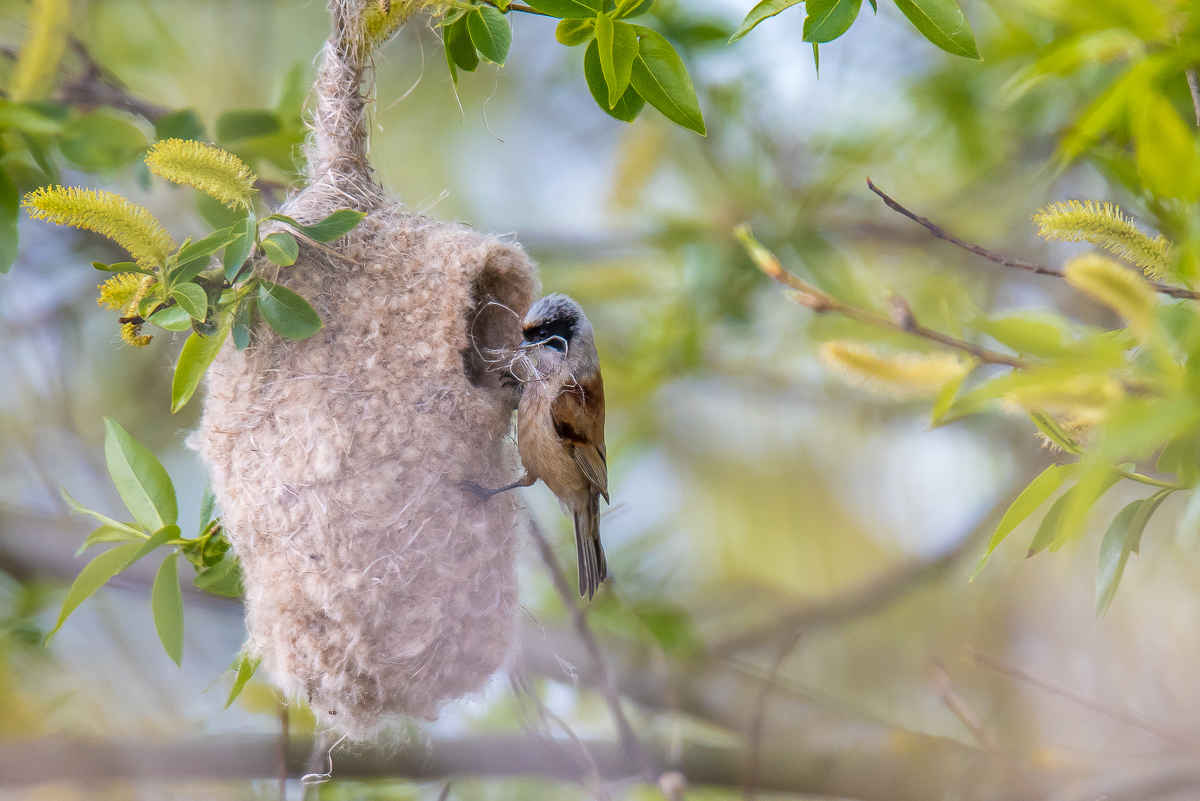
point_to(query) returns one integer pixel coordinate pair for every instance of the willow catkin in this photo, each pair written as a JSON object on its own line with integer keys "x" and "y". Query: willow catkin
{"x": 375, "y": 587}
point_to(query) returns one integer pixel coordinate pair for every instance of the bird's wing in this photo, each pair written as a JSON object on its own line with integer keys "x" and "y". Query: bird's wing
{"x": 578, "y": 414}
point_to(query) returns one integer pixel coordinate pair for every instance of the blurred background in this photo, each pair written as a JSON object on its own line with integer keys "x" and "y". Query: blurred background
{"x": 754, "y": 496}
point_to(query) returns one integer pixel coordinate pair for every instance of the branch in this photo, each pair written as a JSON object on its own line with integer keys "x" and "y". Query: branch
{"x": 1184, "y": 744}
{"x": 1039, "y": 269}
{"x": 96, "y": 86}
{"x": 755, "y": 732}
{"x": 971, "y": 720}
{"x": 579, "y": 619}
{"x": 874, "y": 594}
{"x": 1194, "y": 86}
{"x": 819, "y": 301}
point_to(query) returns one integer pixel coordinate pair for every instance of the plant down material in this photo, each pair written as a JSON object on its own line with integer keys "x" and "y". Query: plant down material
{"x": 1103, "y": 224}
{"x": 129, "y": 225}
{"x": 376, "y": 588}
{"x": 215, "y": 172}
{"x": 899, "y": 375}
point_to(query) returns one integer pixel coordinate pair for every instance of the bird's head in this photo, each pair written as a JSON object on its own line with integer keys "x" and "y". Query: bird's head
{"x": 557, "y": 332}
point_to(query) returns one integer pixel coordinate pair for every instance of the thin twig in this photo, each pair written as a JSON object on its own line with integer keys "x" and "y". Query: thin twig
{"x": 520, "y": 685}
{"x": 524, "y": 9}
{"x": 1039, "y": 269}
{"x": 821, "y": 302}
{"x": 1194, "y": 85}
{"x": 754, "y": 731}
{"x": 968, "y": 717}
{"x": 1005, "y": 669}
{"x": 284, "y": 736}
{"x": 96, "y": 86}
{"x": 625, "y": 733}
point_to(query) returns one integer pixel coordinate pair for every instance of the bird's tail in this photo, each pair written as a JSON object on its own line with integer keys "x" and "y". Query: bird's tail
{"x": 593, "y": 568}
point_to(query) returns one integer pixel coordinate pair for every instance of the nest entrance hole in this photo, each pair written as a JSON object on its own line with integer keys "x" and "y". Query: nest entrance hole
{"x": 499, "y": 301}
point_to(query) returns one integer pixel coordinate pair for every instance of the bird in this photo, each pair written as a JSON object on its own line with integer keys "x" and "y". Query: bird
{"x": 560, "y": 423}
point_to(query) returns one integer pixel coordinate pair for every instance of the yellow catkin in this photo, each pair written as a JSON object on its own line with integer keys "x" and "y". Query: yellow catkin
{"x": 125, "y": 291}
{"x": 45, "y": 42}
{"x": 382, "y": 18}
{"x": 1105, "y": 225}
{"x": 1084, "y": 400}
{"x": 128, "y": 224}
{"x": 118, "y": 291}
{"x": 212, "y": 170}
{"x": 1117, "y": 287}
{"x": 899, "y": 375}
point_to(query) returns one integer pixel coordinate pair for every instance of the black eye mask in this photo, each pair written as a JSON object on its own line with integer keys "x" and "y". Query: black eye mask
{"x": 555, "y": 334}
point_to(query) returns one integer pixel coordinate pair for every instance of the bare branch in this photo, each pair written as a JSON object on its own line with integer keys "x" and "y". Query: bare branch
{"x": 971, "y": 720}
{"x": 579, "y": 619}
{"x": 1184, "y": 744}
{"x": 1039, "y": 269}
{"x": 754, "y": 735}
{"x": 820, "y": 301}
{"x": 1194, "y": 86}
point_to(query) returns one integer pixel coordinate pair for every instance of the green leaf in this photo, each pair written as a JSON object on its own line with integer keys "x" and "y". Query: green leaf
{"x": 172, "y": 318}
{"x": 245, "y": 669}
{"x": 1181, "y": 457}
{"x": 281, "y": 248}
{"x": 1047, "y": 531}
{"x": 10, "y": 211}
{"x": 37, "y": 149}
{"x": 660, "y": 77}
{"x": 217, "y": 214}
{"x": 192, "y": 299}
{"x": 223, "y": 578}
{"x": 943, "y": 23}
{"x": 109, "y": 534}
{"x": 166, "y": 600}
{"x": 247, "y": 124}
{"x": 572, "y": 32}
{"x": 237, "y": 251}
{"x": 490, "y": 33}
{"x": 630, "y": 104}
{"x": 122, "y": 267}
{"x": 100, "y": 142}
{"x": 241, "y": 326}
{"x": 1095, "y": 479}
{"x": 764, "y": 10}
{"x": 286, "y": 312}
{"x": 1166, "y": 149}
{"x": 1024, "y": 335}
{"x": 618, "y": 46}
{"x": 201, "y": 249}
{"x": 93, "y": 576}
{"x": 1033, "y": 496}
{"x": 102, "y": 568}
{"x": 1056, "y": 433}
{"x": 208, "y": 502}
{"x": 197, "y": 354}
{"x": 460, "y": 51}
{"x": 945, "y": 400}
{"x": 1124, "y": 536}
{"x": 76, "y": 506}
{"x": 569, "y": 9}
{"x": 829, "y": 19}
{"x": 184, "y": 123}
{"x": 628, "y": 9}
{"x": 140, "y": 478}
{"x": 333, "y": 227}
{"x": 28, "y": 118}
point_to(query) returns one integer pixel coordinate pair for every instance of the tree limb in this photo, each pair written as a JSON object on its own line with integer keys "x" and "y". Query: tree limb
{"x": 1039, "y": 269}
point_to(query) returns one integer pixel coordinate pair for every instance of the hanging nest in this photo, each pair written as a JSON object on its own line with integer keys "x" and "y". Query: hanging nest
{"x": 375, "y": 587}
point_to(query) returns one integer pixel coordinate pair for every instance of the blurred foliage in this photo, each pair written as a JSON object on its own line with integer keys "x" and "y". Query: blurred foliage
{"x": 747, "y": 482}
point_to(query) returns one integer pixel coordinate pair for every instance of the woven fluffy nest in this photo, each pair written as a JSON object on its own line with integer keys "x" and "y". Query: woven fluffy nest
{"x": 375, "y": 587}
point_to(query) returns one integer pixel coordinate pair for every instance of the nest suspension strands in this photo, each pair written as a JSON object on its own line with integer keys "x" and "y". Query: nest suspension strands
{"x": 375, "y": 588}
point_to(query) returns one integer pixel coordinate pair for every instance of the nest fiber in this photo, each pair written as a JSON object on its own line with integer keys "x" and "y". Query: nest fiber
{"x": 375, "y": 587}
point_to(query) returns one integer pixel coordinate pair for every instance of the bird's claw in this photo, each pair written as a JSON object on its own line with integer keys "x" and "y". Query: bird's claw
{"x": 479, "y": 492}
